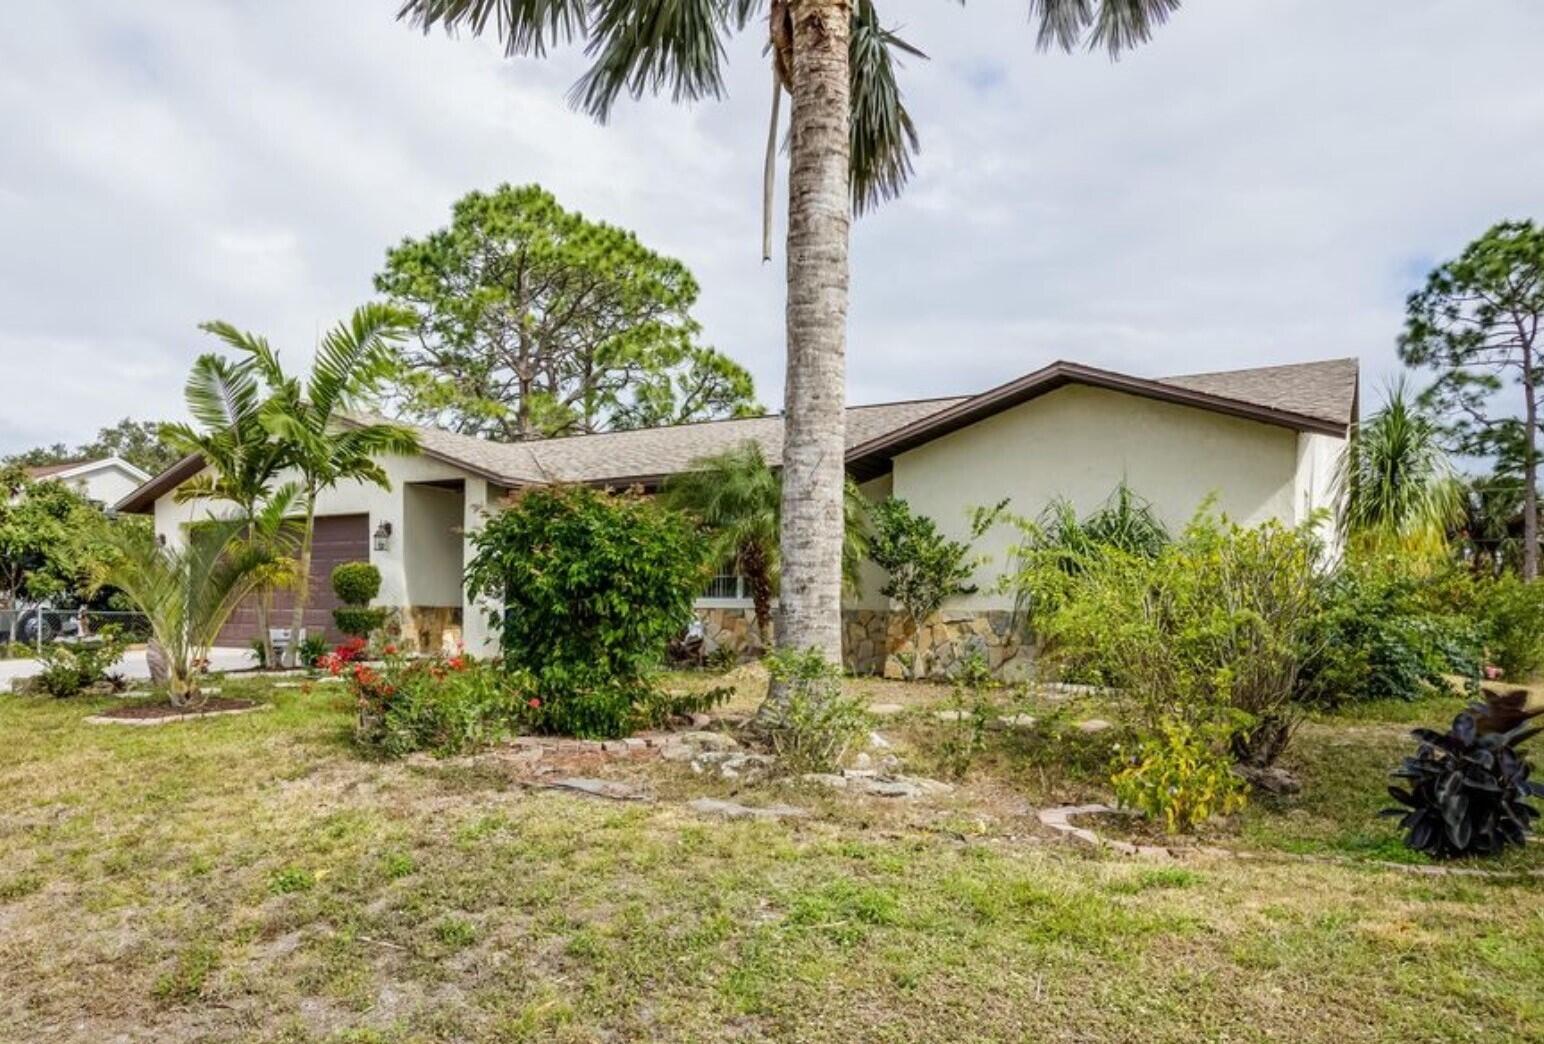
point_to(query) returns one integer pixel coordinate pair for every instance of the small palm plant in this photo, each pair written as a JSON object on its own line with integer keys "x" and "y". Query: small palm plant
{"x": 736, "y": 497}
{"x": 187, "y": 593}
{"x": 1396, "y": 483}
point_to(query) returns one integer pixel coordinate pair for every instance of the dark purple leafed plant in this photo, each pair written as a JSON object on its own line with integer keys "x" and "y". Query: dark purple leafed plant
{"x": 1468, "y": 790}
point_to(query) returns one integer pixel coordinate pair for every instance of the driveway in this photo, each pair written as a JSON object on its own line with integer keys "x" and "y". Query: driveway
{"x": 132, "y": 665}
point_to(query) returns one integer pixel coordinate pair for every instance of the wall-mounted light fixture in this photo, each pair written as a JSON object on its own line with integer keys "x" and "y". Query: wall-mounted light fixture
{"x": 160, "y": 539}
{"x": 383, "y": 536}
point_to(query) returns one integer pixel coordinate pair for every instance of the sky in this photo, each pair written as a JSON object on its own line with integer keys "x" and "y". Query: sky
{"x": 1263, "y": 183}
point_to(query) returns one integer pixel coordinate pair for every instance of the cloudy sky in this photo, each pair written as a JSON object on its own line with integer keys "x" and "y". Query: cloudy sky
{"x": 1263, "y": 183}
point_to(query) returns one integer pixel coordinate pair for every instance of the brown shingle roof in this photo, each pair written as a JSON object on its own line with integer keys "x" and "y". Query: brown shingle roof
{"x": 1324, "y": 390}
{"x": 1319, "y": 396}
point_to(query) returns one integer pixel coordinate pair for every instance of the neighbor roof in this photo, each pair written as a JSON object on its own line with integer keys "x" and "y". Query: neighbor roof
{"x": 81, "y": 467}
{"x": 1315, "y": 397}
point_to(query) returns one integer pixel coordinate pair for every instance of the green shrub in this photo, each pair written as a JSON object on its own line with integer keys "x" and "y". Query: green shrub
{"x": 1386, "y": 631}
{"x": 1511, "y": 612}
{"x": 444, "y": 706}
{"x": 356, "y": 583}
{"x": 1210, "y": 631}
{"x": 815, "y": 723}
{"x": 593, "y": 586}
{"x": 1181, "y": 774}
{"x": 972, "y": 701}
{"x": 358, "y": 620}
{"x": 71, "y": 667}
{"x": 312, "y": 648}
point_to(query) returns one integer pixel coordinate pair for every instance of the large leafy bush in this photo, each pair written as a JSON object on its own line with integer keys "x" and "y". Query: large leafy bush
{"x": 1468, "y": 790}
{"x": 593, "y": 585}
{"x": 1511, "y": 612}
{"x": 1388, "y": 631}
{"x": 1211, "y": 630}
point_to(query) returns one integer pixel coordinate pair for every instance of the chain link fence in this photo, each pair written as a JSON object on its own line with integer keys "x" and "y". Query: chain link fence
{"x": 24, "y": 631}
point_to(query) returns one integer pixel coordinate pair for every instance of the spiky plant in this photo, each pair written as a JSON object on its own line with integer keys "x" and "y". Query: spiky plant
{"x": 187, "y": 593}
{"x": 1397, "y": 488}
{"x": 1468, "y": 790}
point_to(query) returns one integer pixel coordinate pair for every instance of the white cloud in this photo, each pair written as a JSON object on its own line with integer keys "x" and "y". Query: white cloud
{"x": 1264, "y": 182}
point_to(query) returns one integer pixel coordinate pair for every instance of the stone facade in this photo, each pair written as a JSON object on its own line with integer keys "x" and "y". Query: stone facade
{"x": 429, "y": 629}
{"x": 879, "y": 641}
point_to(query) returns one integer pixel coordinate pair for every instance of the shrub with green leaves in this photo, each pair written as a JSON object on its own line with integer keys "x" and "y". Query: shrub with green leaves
{"x": 816, "y": 723}
{"x": 593, "y": 586}
{"x": 1387, "y": 631}
{"x": 70, "y": 668}
{"x": 1211, "y": 630}
{"x": 355, "y": 584}
{"x": 1181, "y": 774}
{"x": 1511, "y": 613}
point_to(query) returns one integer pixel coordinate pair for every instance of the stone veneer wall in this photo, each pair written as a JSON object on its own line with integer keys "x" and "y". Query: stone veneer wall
{"x": 428, "y": 629}
{"x": 875, "y": 640}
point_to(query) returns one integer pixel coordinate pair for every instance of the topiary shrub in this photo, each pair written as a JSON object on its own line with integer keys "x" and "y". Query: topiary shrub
{"x": 594, "y": 585}
{"x": 355, "y": 584}
{"x": 1468, "y": 792}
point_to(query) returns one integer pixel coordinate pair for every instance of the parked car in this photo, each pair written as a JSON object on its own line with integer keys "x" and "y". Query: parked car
{"x": 56, "y": 623}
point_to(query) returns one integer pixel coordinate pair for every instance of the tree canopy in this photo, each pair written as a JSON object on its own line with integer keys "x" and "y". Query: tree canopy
{"x": 47, "y": 532}
{"x": 535, "y": 321}
{"x": 1476, "y": 323}
{"x": 138, "y": 442}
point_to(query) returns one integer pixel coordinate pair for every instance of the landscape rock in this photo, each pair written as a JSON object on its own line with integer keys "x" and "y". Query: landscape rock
{"x": 877, "y": 741}
{"x": 612, "y": 790}
{"x": 862, "y": 761}
{"x": 1271, "y": 780}
{"x": 1094, "y": 725}
{"x": 735, "y": 810}
{"x": 879, "y": 785}
{"x": 1016, "y": 721}
{"x": 953, "y": 715}
{"x": 885, "y": 710}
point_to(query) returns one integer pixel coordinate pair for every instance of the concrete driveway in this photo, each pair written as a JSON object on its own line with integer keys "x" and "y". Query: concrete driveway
{"x": 132, "y": 665}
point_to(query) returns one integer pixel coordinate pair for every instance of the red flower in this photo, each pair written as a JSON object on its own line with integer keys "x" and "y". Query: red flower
{"x": 391, "y": 650}
{"x": 534, "y": 702}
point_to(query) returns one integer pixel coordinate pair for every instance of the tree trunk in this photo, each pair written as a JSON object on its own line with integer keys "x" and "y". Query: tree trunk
{"x": 810, "y": 597}
{"x": 1530, "y": 470}
{"x": 303, "y": 588}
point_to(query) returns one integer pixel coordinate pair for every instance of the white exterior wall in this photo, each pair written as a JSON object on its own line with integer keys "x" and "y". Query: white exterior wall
{"x": 1079, "y": 442}
{"x": 352, "y": 498}
{"x": 1313, "y": 488}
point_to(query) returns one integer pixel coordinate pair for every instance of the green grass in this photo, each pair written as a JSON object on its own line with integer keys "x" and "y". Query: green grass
{"x": 250, "y": 878}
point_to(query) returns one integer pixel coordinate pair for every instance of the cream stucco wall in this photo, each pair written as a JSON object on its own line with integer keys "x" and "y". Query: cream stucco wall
{"x": 1079, "y": 442}
{"x": 403, "y": 557}
{"x": 106, "y": 484}
{"x": 432, "y": 518}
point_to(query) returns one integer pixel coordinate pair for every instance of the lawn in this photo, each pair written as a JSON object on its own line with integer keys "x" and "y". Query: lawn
{"x": 252, "y": 878}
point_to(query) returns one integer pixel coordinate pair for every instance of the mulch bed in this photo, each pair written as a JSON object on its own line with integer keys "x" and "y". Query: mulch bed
{"x": 155, "y": 711}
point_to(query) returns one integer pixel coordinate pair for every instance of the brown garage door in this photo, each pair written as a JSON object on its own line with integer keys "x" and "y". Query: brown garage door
{"x": 338, "y": 539}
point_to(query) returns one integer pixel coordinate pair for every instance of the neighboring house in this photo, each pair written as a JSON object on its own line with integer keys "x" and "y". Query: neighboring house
{"x": 104, "y": 482}
{"x": 1262, "y": 442}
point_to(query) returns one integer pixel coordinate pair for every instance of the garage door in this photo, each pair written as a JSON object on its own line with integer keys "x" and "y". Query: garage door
{"x": 338, "y": 539}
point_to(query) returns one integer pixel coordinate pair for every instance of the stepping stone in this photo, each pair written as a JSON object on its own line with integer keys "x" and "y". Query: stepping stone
{"x": 953, "y": 715}
{"x": 610, "y": 789}
{"x": 885, "y": 710}
{"x": 878, "y": 742}
{"x": 735, "y": 810}
{"x": 1017, "y": 721}
{"x": 1093, "y": 725}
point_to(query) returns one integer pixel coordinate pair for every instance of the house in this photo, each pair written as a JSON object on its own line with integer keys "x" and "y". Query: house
{"x": 1262, "y": 442}
{"x": 104, "y": 482}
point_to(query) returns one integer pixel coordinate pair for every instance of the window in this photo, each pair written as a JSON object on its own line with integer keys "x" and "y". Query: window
{"x": 727, "y": 585}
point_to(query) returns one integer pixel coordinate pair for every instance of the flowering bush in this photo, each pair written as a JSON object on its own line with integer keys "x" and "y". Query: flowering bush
{"x": 447, "y": 705}
{"x": 345, "y": 653}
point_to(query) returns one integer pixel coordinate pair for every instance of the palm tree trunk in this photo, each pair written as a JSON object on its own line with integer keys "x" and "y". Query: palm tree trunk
{"x": 303, "y": 588}
{"x": 810, "y": 597}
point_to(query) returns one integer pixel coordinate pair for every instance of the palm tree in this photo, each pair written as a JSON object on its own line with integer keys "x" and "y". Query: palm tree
{"x": 308, "y": 419}
{"x": 737, "y": 496}
{"x": 1397, "y": 489}
{"x": 850, "y": 145}
{"x": 187, "y": 593}
{"x": 244, "y": 462}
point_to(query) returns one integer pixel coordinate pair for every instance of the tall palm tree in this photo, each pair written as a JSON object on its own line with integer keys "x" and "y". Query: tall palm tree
{"x": 243, "y": 465}
{"x": 850, "y": 145}
{"x": 1396, "y": 486}
{"x": 187, "y": 594}
{"x": 737, "y": 498}
{"x": 309, "y": 418}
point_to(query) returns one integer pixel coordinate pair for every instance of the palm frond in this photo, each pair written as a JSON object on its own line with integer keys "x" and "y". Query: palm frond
{"x": 221, "y": 394}
{"x": 355, "y": 355}
{"x": 1397, "y": 488}
{"x": 652, "y": 45}
{"x": 1115, "y": 25}
{"x": 526, "y": 27}
{"x": 256, "y": 348}
{"x": 882, "y": 134}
